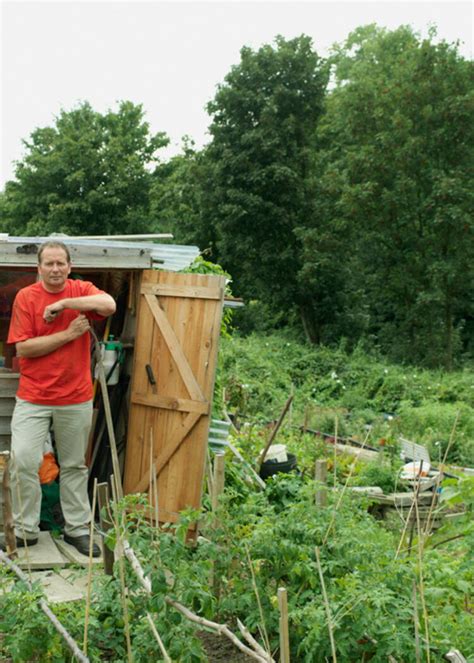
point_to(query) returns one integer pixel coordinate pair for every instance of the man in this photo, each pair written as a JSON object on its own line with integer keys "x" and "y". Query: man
{"x": 49, "y": 326}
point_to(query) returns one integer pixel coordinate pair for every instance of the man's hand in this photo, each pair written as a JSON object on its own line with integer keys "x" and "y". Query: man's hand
{"x": 52, "y": 311}
{"x": 39, "y": 346}
{"x": 79, "y": 326}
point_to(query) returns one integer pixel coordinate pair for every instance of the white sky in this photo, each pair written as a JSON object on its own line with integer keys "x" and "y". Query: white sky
{"x": 169, "y": 56}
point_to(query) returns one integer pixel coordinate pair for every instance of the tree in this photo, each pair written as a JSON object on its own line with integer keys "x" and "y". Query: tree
{"x": 178, "y": 198}
{"x": 259, "y": 168}
{"x": 85, "y": 175}
{"x": 395, "y": 182}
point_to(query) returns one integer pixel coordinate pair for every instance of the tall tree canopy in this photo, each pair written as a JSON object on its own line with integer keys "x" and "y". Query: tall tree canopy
{"x": 260, "y": 167}
{"x": 85, "y": 175}
{"x": 395, "y": 192}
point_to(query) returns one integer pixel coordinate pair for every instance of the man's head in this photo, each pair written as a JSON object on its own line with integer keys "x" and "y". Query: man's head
{"x": 52, "y": 244}
{"x": 54, "y": 265}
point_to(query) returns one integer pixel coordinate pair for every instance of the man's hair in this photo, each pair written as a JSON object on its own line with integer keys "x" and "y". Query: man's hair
{"x": 53, "y": 244}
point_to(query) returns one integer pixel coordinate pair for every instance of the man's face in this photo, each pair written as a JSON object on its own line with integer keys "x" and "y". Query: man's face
{"x": 54, "y": 269}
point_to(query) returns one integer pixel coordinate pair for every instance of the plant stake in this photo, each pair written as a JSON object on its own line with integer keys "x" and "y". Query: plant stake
{"x": 326, "y": 606}
{"x": 89, "y": 571}
{"x": 7, "y": 506}
{"x": 320, "y": 476}
{"x": 220, "y": 628}
{"x": 71, "y": 643}
{"x": 275, "y": 431}
{"x": 284, "y": 634}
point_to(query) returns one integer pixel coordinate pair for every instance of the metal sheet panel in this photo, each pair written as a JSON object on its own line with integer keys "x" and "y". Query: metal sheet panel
{"x": 114, "y": 254}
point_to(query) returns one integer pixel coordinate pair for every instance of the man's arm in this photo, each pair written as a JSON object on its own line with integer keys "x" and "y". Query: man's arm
{"x": 103, "y": 304}
{"x": 43, "y": 345}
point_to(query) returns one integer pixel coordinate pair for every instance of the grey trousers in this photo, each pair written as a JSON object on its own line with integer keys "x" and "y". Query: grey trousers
{"x": 30, "y": 427}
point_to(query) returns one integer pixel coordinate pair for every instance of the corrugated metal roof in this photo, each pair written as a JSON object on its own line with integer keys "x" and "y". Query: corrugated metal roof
{"x": 103, "y": 253}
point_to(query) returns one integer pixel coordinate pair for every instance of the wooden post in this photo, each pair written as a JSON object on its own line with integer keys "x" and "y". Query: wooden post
{"x": 105, "y": 525}
{"x": 218, "y": 482}
{"x": 275, "y": 431}
{"x": 320, "y": 476}
{"x": 284, "y": 631}
{"x": 7, "y": 507}
{"x": 218, "y": 479}
{"x": 306, "y": 419}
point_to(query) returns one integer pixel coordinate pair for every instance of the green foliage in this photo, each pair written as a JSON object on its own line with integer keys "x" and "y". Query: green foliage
{"x": 379, "y": 474}
{"x": 390, "y": 252}
{"x": 26, "y": 632}
{"x": 85, "y": 175}
{"x": 178, "y": 198}
{"x": 275, "y": 533}
{"x": 259, "y": 372}
{"x": 259, "y": 166}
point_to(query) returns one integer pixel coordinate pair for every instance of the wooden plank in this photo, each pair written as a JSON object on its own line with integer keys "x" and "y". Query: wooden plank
{"x": 44, "y": 555}
{"x": 7, "y": 405}
{"x": 169, "y": 290}
{"x": 180, "y": 404}
{"x": 74, "y": 556}
{"x": 162, "y": 458}
{"x": 5, "y": 442}
{"x": 8, "y": 385}
{"x": 5, "y": 425}
{"x": 175, "y": 348}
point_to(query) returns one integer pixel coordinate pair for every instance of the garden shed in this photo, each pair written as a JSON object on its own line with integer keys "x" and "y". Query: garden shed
{"x": 168, "y": 324}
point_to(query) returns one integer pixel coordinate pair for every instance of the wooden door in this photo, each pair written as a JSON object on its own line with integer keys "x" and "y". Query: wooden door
{"x": 176, "y": 344}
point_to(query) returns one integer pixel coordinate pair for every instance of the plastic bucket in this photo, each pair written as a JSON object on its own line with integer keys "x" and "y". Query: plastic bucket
{"x": 271, "y": 467}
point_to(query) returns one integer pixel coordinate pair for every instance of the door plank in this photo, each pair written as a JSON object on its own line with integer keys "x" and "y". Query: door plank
{"x": 168, "y": 403}
{"x": 162, "y": 458}
{"x": 175, "y": 349}
{"x": 170, "y": 290}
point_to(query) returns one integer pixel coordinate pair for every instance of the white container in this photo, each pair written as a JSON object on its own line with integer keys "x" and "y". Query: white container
{"x": 277, "y": 452}
{"x": 110, "y": 357}
{"x": 415, "y": 470}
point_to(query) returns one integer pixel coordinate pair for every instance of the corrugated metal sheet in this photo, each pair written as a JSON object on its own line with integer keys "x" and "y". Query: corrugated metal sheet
{"x": 21, "y": 251}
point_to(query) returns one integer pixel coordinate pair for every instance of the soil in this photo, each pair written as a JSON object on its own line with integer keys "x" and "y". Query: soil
{"x": 219, "y": 649}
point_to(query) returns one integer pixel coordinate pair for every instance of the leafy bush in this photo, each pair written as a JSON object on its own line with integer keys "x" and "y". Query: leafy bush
{"x": 258, "y": 373}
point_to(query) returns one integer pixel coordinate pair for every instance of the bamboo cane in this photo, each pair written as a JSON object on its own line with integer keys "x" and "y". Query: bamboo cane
{"x": 275, "y": 431}
{"x": 218, "y": 479}
{"x": 320, "y": 476}
{"x": 333, "y": 518}
{"x": 422, "y": 583}
{"x": 71, "y": 643}
{"x": 105, "y": 526}
{"x": 158, "y": 639}
{"x": 108, "y": 416}
{"x": 327, "y": 607}
{"x": 427, "y": 529}
{"x": 262, "y": 617}
{"x": 417, "y": 630}
{"x": 124, "y": 589}
{"x": 89, "y": 571}
{"x": 220, "y": 628}
{"x": 7, "y": 508}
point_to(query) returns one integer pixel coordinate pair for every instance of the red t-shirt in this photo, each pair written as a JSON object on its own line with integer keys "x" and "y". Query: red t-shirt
{"x": 62, "y": 377}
